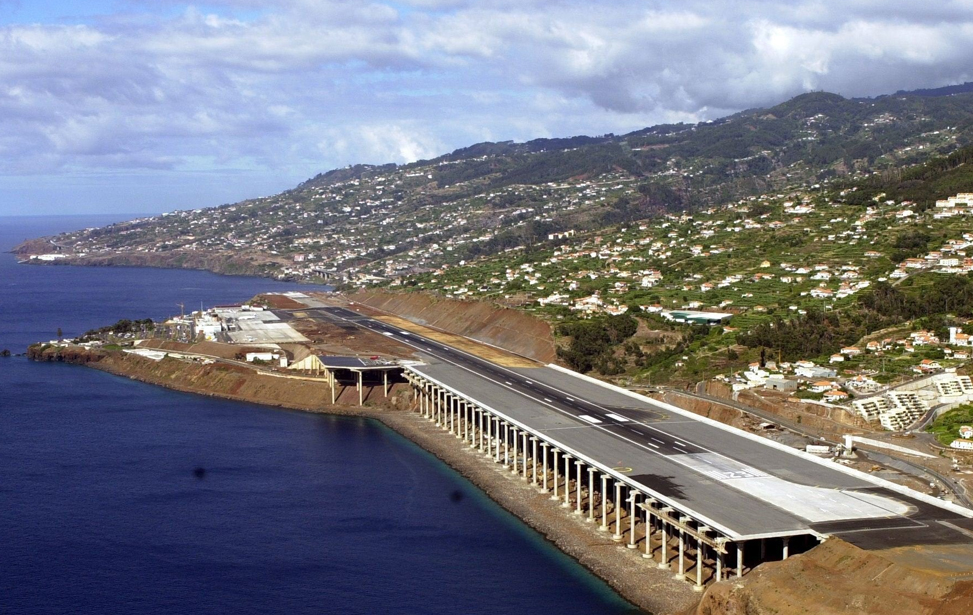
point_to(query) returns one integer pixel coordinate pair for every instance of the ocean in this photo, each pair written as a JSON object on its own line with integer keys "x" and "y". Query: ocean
{"x": 122, "y": 497}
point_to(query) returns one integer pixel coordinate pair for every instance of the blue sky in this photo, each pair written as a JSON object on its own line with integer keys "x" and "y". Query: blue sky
{"x": 155, "y": 105}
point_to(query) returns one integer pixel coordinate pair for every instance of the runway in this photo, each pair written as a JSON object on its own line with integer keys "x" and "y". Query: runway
{"x": 736, "y": 482}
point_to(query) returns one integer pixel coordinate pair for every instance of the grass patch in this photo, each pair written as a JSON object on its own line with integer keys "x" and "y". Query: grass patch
{"x": 946, "y": 427}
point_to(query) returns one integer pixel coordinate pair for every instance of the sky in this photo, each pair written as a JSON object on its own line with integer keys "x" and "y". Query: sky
{"x": 145, "y": 106}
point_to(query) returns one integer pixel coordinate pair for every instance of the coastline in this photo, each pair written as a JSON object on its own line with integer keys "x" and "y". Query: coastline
{"x": 651, "y": 590}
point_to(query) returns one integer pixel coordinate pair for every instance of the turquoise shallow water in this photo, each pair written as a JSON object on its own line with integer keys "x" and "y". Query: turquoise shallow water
{"x": 103, "y": 508}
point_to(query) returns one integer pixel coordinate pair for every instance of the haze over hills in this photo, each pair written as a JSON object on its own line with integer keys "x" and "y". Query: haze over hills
{"x": 392, "y": 219}
{"x": 722, "y": 215}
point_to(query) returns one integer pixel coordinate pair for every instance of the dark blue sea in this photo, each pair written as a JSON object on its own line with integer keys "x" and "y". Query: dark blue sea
{"x": 102, "y": 510}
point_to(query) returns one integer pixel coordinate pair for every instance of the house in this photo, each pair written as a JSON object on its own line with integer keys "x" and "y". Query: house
{"x": 962, "y": 444}
{"x": 820, "y": 386}
{"x": 851, "y": 351}
{"x": 927, "y": 366}
{"x": 837, "y": 358}
{"x": 835, "y": 396}
{"x": 958, "y": 338}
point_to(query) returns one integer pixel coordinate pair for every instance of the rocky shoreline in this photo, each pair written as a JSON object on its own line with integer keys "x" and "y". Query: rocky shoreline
{"x": 651, "y": 590}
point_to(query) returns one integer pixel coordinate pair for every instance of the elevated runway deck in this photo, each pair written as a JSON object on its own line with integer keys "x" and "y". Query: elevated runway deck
{"x": 740, "y": 485}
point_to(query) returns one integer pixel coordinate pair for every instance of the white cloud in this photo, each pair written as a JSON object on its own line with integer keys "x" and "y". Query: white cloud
{"x": 304, "y": 85}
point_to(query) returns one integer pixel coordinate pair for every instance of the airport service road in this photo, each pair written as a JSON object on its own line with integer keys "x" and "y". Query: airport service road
{"x": 741, "y": 485}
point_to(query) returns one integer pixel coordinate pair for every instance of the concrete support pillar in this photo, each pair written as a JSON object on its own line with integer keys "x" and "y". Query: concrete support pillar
{"x": 526, "y": 468}
{"x": 516, "y": 437}
{"x": 544, "y": 446}
{"x": 763, "y": 550}
{"x": 739, "y": 559}
{"x": 451, "y": 413}
{"x": 633, "y": 501}
{"x": 591, "y": 495}
{"x": 567, "y": 481}
{"x": 699, "y": 564}
{"x": 578, "y": 481}
{"x": 719, "y": 566}
{"x": 465, "y": 420}
{"x": 648, "y": 531}
{"x": 496, "y": 439}
{"x": 523, "y": 449}
{"x": 506, "y": 445}
{"x": 556, "y": 465}
{"x": 385, "y": 382}
{"x": 787, "y": 547}
{"x": 361, "y": 390}
{"x": 533, "y": 456}
{"x": 617, "y": 536}
{"x": 664, "y": 555}
{"x": 681, "y": 574}
{"x": 480, "y": 414}
{"x": 604, "y": 503}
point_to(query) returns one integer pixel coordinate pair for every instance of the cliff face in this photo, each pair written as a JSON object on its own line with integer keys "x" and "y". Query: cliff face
{"x": 225, "y": 264}
{"x": 222, "y": 380}
{"x": 65, "y": 354}
{"x": 839, "y": 578}
{"x": 509, "y": 329}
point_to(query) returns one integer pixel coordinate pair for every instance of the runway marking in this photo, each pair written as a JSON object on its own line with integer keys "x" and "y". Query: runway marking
{"x": 620, "y": 419}
{"x": 636, "y": 431}
{"x": 547, "y": 400}
{"x": 569, "y": 398}
{"x": 652, "y": 445}
{"x": 590, "y": 419}
{"x": 657, "y": 440}
{"x": 679, "y": 444}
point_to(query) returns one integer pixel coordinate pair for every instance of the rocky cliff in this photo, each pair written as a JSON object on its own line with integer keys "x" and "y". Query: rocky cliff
{"x": 839, "y": 578}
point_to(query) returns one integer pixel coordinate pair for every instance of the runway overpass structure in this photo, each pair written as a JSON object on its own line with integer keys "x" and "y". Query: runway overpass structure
{"x": 695, "y": 496}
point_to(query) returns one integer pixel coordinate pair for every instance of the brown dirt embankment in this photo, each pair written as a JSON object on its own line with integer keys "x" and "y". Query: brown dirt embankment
{"x": 829, "y": 419}
{"x": 509, "y": 329}
{"x": 839, "y": 578}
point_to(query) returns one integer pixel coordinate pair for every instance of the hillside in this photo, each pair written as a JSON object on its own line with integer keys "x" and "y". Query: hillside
{"x": 371, "y": 223}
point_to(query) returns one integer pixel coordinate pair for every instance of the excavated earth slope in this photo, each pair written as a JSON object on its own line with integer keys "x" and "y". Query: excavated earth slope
{"x": 512, "y": 330}
{"x": 839, "y": 578}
